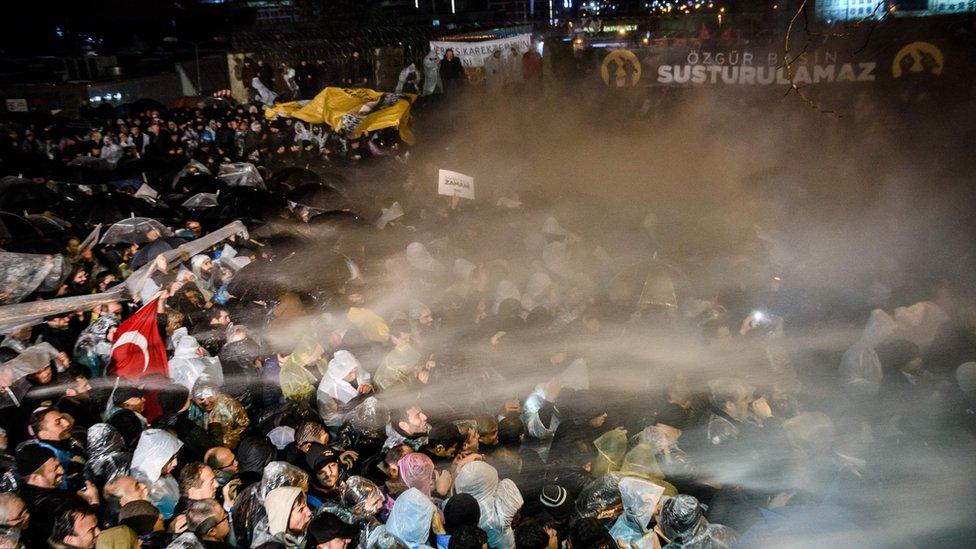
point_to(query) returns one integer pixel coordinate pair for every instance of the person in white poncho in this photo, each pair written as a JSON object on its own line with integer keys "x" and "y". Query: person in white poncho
{"x": 152, "y": 464}
{"x": 344, "y": 381}
{"x": 499, "y": 501}
{"x": 190, "y": 362}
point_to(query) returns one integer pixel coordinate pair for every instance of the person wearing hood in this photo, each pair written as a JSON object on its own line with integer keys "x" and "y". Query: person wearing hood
{"x": 640, "y": 501}
{"x": 190, "y": 362}
{"x": 107, "y": 455}
{"x": 153, "y": 462}
{"x": 15, "y": 342}
{"x": 403, "y": 364}
{"x": 221, "y": 415}
{"x": 288, "y": 518}
{"x": 342, "y": 387}
{"x": 94, "y": 346}
{"x": 361, "y": 501}
{"x": 411, "y": 519}
{"x": 432, "y": 75}
{"x": 206, "y": 273}
{"x": 499, "y": 501}
{"x": 297, "y": 383}
{"x": 682, "y": 523}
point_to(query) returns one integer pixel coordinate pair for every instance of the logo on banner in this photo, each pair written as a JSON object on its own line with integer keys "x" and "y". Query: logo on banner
{"x": 620, "y": 69}
{"x": 918, "y": 57}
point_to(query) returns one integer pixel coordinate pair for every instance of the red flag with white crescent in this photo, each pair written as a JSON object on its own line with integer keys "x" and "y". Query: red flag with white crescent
{"x": 138, "y": 349}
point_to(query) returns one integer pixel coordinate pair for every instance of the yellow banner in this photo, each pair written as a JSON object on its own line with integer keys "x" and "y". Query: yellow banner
{"x": 352, "y": 111}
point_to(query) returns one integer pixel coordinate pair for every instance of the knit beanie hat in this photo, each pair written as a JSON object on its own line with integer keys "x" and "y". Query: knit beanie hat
{"x": 278, "y": 504}
{"x": 120, "y": 537}
{"x": 461, "y": 510}
{"x": 139, "y": 515}
{"x": 555, "y": 499}
{"x": 32, "y": 457}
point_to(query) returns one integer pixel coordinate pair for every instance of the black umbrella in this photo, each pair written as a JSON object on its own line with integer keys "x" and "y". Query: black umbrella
{"x": 319, "y": 197}
{"x": 109, "y": 208}
{"x": 148, "y": 252}
{"x": 287, "y": 179}
{"x": 246, "y": 203}
{"x": 25, "y": 237}
{"x": 308, "y": 271}
{"x": 198, "y": 183}
{"x": 27, "y": 196}
{"x": 50, "y": 225}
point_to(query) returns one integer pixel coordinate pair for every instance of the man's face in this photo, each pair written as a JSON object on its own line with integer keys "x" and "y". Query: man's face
{"x": 223, "y": 319}
{"x": 206, "y": 487}
{"x": 170, "y": 465}
{"x": 51, "y": 473}
{"x": 222, "y": 529}
{"x": 489, "y": 439}
{"x": 59, "y": 323}
{"x": 207, "y": 403}
{"x": 195, "y": 227}
{"x": 328, "y": 476}
{"x": 137, "y": 404}
{"x": 228, "y": 462}
{"x": 86, "y": 530}
{"x": 426, "y": 318}
{"x": 19, "y": 515}
{"x": 416, "y": 422}
{"x": 300, "y": 516}
{"x": 54, "y": 426}
{"x": 44, "y": 376}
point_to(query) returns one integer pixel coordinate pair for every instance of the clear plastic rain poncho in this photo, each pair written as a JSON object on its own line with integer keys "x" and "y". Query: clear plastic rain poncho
{"x": 364, "y": 425}
{"x": 860, "y": 365}
{"x": 154, "y": 450}
{"x": 186, "y": 366}
{"x": 226, "y": 421}
{"x": 639, "y": 498}
{"x": 24, "y": 274}
{"x": 499, "y": 501}
{"x": 250, "y": 521}
{"x": 93, "y": 348}
{"x": 411, "y": 518}
{"x": 600, "y": 499}
{"x": 683, "y": 522}
{"x": 107, "y": 457}
{"x": 361, "y": 500}
{"x": 12, "y": 373}
{"x": 240, "y": 174}
{"x": 134, "y": 230}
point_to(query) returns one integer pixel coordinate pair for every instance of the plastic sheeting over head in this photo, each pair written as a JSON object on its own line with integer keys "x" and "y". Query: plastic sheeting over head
{"x": 410, "y": 519}
{"x": 240, "y": 174}
{"x": 600, "y": 498}
{"x": 640, "y": 499}
{"x": 24, "y": 274}
{"x": 281, "y": 473}
{"x": 107, "y": 455}
{"x": 153, "y": 451}
{"x": 610, "y": 447}
{"x": 419, "y": 258}
{"x": 201, "y": 201}
{"x": 356, "y": 496}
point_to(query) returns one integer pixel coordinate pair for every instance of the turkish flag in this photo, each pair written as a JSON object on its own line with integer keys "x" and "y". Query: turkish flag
{"x": 138, "y": 349}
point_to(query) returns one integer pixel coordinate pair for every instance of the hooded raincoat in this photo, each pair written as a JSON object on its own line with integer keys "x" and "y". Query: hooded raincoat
{"x": 154, "y": 450}
{"x": 334, "y": 392}
{"x": 107, "y": 458}
{"x": 93, "y": 348}
{"x": 499, "y": 500}
{"x": 411, "y": 518}
{"x": 639, "y": 498}
{"x": 186, "y": 366}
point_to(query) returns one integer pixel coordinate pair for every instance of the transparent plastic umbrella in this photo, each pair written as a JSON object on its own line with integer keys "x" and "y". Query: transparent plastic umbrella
{"x": 134, "y": 230}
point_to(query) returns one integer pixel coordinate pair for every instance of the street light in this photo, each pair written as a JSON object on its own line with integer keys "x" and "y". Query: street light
{"x": 196, "y": 55}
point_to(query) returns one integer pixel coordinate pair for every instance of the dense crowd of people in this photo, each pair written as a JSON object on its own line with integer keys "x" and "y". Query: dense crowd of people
{"x": 335, "y": 378}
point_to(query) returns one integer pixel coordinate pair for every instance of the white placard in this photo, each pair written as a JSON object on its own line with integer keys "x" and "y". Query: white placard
{"x": 474, "y": 54}
{"x": 455, "y": 184}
